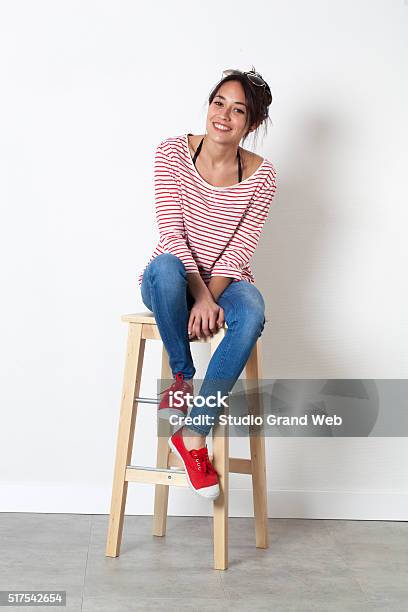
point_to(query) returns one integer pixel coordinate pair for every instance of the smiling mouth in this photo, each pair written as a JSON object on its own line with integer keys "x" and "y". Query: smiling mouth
{"x": 220, "y": 127}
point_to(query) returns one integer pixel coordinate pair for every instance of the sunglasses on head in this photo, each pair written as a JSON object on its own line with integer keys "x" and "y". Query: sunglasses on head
{"x": 254, "y": 77}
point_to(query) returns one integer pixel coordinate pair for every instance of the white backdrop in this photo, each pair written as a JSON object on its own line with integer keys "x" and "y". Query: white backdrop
{"x": 88, "y": 91}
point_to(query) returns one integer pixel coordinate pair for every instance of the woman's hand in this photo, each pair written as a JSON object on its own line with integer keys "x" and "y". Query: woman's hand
{"x": 206, "y": 317}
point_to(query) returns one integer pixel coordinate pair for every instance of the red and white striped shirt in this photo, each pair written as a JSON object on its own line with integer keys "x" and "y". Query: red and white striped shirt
{"x": 212, "y": 230}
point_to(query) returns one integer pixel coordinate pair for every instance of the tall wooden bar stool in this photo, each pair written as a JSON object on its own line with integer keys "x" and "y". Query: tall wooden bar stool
{"x": 142, "y": 327}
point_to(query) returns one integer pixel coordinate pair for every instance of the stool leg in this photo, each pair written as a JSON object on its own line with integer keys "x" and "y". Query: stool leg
{"x": 128, "y": 411}
{"x": 257, "y": 448}
{"x": 221, "y": 465}
{"x": 161, "y": 493}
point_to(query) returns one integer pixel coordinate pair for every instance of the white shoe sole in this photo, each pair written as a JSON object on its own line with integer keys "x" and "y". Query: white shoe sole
{"x": 208, "y": 492}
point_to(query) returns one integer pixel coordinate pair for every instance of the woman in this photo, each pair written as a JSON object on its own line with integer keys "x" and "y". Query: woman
{"x": 212, "y": 200}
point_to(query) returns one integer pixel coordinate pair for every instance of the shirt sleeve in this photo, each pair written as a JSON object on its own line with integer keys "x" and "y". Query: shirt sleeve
{"x": 169, "y": 214}
{"x": 243, "y": 242}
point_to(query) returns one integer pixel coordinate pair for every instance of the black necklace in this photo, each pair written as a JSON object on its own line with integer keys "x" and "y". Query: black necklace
{"x": 197, "y": 153}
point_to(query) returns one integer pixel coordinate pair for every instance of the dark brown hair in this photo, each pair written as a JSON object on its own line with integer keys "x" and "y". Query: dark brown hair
{"x": 257, "y": 100}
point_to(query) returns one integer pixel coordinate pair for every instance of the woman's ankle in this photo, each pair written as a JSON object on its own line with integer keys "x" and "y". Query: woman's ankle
{"x": 190, "y": 381}
{"x": 192, "y": 439}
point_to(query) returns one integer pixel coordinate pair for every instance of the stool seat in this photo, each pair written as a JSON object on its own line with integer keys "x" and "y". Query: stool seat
{"x": 147, "y": 318}
{"x": 140, "y": 317}
{"x": 142, "y": 326}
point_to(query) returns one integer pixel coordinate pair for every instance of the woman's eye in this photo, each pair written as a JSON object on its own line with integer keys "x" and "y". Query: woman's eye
{"x": 237, "y": 109}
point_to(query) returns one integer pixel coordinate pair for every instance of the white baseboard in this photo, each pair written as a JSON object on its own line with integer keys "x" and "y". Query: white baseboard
{"x": 83, "y": 499}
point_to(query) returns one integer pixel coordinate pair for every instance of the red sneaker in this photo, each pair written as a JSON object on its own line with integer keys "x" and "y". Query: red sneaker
{"x": 179, "y": 408}
{"x": 201, "y": 476}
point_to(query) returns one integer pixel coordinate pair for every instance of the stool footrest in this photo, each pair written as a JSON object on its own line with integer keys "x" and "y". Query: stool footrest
{"x": 163, "y": 476}
{"x": 240, "y": 466}
{"x": 146, "y": 400}
{"x": 177, "y": 477}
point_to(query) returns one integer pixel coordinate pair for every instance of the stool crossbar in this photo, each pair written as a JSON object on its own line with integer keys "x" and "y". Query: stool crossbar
{"x": 168, "y": 470}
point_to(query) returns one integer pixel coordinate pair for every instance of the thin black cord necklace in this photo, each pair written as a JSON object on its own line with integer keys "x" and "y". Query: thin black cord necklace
{"x": 197, "y": 153}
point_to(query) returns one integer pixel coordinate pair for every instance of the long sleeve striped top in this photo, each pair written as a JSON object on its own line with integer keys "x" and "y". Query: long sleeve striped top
{"x": 213, "y": 230}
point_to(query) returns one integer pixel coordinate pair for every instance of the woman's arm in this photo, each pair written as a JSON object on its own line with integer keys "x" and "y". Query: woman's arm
{"x": 205, "y": 313}
{"x": 205, "y": 316}
{"x": 197, "y": 286}
{"x": 242, "y": 244}
{"x": 217, "y": 285}
{"x": 169, "y": 214}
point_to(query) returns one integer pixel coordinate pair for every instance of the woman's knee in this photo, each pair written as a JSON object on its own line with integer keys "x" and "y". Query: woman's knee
{"x": 246, "y": 309}
{"x": 247, "y": 319}
{"x": 168, "y": 267}
{"x": 253, "y": 321}
{"x": 250, "y": 314}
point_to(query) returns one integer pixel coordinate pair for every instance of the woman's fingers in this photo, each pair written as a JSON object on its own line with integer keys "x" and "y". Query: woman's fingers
{"x": 205, "y": 320}
{"x": 205, "y": 327}
{"x": 193, "y": 327}
{"x": 220, "y": 319}
{"x": 190, "y": 324}
{"x": 197, "y": 326}
{"x": 212, "y": 323}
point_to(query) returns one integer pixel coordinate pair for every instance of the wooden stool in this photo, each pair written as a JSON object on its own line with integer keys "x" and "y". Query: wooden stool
{"x": 142, "y": 327}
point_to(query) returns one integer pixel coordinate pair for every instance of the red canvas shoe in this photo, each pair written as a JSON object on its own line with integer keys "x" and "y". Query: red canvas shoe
{"x": 201, "y": 476}
{"x": 178, "y": 408}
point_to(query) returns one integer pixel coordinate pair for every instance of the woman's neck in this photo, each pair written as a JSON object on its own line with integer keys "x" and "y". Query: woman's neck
{"x": 218, "y": 155}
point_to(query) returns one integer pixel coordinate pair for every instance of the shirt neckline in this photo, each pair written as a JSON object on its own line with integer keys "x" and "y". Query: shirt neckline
{"x": 185, "y": 140}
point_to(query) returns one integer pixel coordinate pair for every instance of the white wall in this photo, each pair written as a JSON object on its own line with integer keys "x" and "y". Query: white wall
{"x": 88, "y": 91}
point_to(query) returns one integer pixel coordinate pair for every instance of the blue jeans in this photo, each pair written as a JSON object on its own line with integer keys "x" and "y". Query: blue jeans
{"x": 165, "y": 292}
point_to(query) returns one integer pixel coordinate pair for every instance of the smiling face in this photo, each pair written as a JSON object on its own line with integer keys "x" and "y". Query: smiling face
{"x": 227, "y": 117}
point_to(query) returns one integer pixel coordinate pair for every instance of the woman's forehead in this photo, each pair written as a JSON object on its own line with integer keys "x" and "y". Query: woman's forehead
{"x": 232, "y": 91}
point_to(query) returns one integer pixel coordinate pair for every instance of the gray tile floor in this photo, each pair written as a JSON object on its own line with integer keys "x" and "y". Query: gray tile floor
{"x": 319, "y": 565}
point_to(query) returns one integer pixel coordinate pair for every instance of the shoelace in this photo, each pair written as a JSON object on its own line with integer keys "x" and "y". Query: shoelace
{"x": 202, "y": 460}
{"x": 178, "y": 385}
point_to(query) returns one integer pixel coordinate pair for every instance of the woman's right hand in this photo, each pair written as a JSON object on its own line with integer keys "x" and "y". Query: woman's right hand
{"x": 206, "y": 317}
